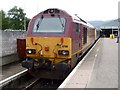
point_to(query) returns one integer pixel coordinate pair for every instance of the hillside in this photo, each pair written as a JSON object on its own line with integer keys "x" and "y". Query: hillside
{"x": 96, "y": 23}
{"x": 108, "y": 23}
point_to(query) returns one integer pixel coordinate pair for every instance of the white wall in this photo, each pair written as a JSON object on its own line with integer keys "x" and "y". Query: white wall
{"x": 8, "y": 42}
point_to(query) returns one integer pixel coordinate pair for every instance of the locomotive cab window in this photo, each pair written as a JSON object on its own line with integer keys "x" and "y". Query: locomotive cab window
{"x": 49, "y": 25}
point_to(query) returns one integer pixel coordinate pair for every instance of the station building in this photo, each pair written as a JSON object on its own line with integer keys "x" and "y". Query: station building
{"x": 111, "y": 27}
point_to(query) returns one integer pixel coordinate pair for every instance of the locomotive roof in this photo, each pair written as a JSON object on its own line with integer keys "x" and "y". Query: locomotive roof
{"x": 77, "y": 19}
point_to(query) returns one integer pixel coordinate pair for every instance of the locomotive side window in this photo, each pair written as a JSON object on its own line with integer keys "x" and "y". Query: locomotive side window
{"x": 84, "y": 35}
{"x": 77, "y": 27}
{"x": 49, "y": 25}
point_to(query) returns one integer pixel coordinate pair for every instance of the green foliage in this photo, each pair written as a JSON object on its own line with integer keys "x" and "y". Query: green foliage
{"x": 15, "y": 19}
{"x": 2, "y": 14}
{"x": 1, "y": 19}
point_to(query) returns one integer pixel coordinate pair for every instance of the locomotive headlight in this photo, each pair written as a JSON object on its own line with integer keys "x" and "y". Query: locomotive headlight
{"x": 51, "y": 11}
{"x": 30, "y": 51}
{"x": 63, "y": 52}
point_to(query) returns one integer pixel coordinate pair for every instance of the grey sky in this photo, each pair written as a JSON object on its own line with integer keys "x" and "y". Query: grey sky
{"x": 86, "y": 9}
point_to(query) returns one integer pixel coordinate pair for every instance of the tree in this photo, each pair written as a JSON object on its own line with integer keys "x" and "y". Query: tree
{"x": 1, "y": 12}
{"x": 3, "y": 20}
{"x": 16, "y": 18}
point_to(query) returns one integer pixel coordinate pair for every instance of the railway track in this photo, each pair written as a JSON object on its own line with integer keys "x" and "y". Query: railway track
{"x": 41, "y": 84}
{"x": 27, "y": 82}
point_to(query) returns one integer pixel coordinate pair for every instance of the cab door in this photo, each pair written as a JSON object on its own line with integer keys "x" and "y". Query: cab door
{"x": 76, "y": 37}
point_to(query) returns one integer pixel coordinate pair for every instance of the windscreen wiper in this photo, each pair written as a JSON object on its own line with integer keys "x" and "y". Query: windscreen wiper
{"x": 39, "y": 22}
{"x": 61, "y": 21}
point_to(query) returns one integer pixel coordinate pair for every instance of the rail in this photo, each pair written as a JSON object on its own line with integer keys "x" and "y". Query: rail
{"x": 11, "y": 78}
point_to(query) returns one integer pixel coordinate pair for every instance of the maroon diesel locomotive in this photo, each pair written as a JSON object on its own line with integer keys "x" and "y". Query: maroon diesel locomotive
{"x": 55, "y": 41}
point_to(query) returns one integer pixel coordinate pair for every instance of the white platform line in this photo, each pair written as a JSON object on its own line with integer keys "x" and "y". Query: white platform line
{"x": 92, "y": 67}
{"x": 74, "y": 70}
{"x": 7, "y": 80}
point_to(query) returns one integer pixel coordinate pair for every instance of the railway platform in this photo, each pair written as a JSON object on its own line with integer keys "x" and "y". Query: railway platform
{"x": 98, "y": 69}
{"x": 10, "y": 72}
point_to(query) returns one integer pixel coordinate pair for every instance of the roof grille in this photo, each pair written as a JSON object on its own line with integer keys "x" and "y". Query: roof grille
{"x": 51, "y": 11}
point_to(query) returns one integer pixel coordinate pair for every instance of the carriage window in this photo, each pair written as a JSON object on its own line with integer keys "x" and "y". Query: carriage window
{"x": 77, "y": 27}
{"x": 49, "y": 25}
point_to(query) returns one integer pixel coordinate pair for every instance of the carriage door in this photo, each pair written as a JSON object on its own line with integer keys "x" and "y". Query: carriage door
{"x": 78, "y": 36}
{"x": 84, "y": 35}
